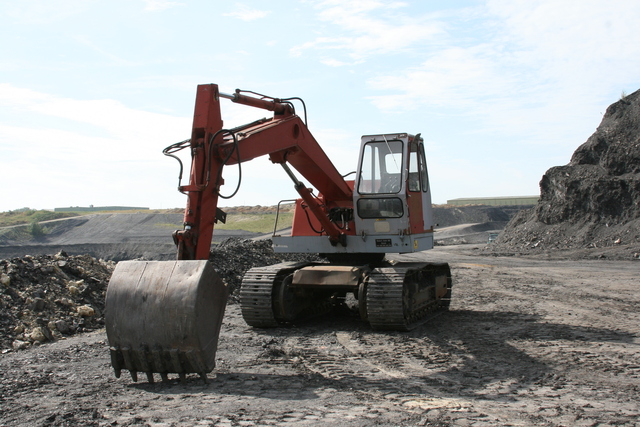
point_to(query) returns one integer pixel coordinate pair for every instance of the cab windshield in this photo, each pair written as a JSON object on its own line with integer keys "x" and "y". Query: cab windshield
{"x": 381, "y": 168}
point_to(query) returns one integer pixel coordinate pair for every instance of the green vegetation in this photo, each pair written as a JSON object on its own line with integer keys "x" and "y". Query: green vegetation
{"x": 26, "y": 224}
{"x": 253, "y": 222}
{"x": 36, "y": 229}
{"x": 256, "y": 223}
{"x": 16, "y": 234}
{"x": 30, "y": 216}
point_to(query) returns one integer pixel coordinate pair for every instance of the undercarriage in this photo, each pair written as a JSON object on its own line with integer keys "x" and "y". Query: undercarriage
{"x": 390, "y": 297}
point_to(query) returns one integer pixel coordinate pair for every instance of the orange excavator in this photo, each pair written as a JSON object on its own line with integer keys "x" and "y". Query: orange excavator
{"x": 165, "y": 316}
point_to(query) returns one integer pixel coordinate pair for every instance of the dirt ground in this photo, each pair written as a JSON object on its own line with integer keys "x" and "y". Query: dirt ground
{"x": 528, "y": 341}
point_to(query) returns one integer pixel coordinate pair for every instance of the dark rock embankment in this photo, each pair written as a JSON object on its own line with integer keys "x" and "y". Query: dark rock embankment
{"x": 46, "y": 297}
{"x": 592, "y": 205}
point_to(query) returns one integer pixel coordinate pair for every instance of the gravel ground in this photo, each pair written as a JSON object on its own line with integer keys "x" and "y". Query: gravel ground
{"x": 528, "y": 341}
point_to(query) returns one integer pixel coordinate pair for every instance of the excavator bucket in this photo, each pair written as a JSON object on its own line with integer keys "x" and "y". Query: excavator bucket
{"x": 164, "y": 317}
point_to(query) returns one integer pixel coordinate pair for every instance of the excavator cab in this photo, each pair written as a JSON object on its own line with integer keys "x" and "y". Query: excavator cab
{"x": 390, "y": 209}
{"x": 392, "y": 197}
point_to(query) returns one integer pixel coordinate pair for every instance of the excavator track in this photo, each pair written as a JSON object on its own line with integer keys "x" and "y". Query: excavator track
{"x": 267, "y": 301}
{"x": 404, "y": 297}
{"x": 256, "y": 295}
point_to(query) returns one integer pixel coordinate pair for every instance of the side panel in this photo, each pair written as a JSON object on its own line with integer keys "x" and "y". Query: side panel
{"x": 427, "y": 207}
{"x": 380, "y": 243}
{"x": 418, "y": 190}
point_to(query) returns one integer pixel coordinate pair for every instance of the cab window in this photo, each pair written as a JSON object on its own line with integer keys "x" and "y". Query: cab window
{"x": 381, "y": 168}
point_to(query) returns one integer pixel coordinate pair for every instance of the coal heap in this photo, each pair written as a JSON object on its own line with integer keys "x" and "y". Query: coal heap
{"x": 233, "y": 257}
{"x": 593, "y": 203}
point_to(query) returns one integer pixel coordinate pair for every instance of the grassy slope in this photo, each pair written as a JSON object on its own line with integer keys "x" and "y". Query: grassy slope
{"x": 256, "y": 223}
{"x": 25, "y": 224}
{"x": 29, "y": 216}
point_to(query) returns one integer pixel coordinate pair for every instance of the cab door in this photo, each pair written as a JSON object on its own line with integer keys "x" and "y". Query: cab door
{"x": 418, "y": 191}
{"x": 380, "y": 190}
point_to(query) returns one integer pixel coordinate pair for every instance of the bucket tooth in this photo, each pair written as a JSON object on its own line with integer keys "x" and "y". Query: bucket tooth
{"x": 203, "y": 375}
{"x": 115, "y": 362}
{"x": 175, "y": 361}
{"x": 126, "y": 355}
{"x": 150, "y": 379}
{"x": 141, "y": 359}
{"x": 158, "y": 366}
{"x": 195, "y": 361}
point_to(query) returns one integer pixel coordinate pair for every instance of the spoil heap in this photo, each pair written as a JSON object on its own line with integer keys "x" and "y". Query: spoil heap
{"x": 591, "y": 206}
{"x": 233, "y": 257}
{"x": 44, "y": 297}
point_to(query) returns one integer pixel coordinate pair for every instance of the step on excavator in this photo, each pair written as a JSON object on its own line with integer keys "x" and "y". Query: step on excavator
{"x": 164, "y": 317}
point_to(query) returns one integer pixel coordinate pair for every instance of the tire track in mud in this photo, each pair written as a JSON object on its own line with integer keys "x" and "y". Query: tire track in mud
{"x": 517, "y": 337}
{"x": 402, "y": 377}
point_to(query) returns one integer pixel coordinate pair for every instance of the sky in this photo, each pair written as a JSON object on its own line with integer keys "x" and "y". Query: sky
{"x": 91, "y": 91}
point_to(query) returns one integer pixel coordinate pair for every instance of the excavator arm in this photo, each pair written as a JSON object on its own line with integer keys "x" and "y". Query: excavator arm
{"x": 284, "y": 138}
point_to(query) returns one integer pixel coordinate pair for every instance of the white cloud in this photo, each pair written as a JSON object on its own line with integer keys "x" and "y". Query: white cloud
{"x": 94, "y": 47}
{"x": 36, "y": 12}
{"x": 245, "y": 13}
{"x": 452, "y": 77}
{"x": 118, "y": 121}
{"x": 568, "y": 36}
{"x": 370, "y": 27}
{"x": 331, "y": 62}
{"x": 102, "y": 152}
{"x": 542, "y": 64}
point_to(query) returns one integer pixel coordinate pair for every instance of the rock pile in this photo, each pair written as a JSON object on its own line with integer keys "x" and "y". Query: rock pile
{"x": 46, "y": 297}
{"x": 233, "y": 257}
{"x": 593, "y": 203}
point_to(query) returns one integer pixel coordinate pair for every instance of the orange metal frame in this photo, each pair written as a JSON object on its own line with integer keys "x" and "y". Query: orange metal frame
{"x": 284, "y": 138}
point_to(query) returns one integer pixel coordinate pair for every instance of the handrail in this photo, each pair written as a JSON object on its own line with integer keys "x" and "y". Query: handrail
{"x": 275, "y": 225}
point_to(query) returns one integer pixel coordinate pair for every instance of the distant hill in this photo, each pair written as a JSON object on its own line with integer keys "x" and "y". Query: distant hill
{"x": 119, "y": 236}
